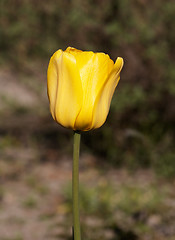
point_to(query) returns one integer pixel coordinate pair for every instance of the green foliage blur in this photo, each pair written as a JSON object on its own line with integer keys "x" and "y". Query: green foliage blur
{"x": 140, "y": 128}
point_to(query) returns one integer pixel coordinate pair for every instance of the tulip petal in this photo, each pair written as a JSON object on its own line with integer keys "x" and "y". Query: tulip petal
{"x": 52, "y": 80}
{"x": 80, "y": 87}
{"x": 104, "y": 97}
{"x": 69, "y": 94}
{"x": 94, "y": 69}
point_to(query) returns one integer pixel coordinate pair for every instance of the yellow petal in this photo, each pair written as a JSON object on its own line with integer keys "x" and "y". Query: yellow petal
{"x": 81, "y": 86}
{"x": 94, "y": 69}
{"x": 52, "y": 80}
{"x": 69, "y": 92}
{"x": 72, "y": 50}
{"x": 103, "y": 100}
{"x": 83, "y": 59}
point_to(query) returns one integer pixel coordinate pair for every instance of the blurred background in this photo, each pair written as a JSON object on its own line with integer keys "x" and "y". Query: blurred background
{"x": 127, "y": 166}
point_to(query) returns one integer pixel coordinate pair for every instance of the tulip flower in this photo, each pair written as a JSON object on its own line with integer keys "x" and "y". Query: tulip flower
{"x": 80, "y": 87}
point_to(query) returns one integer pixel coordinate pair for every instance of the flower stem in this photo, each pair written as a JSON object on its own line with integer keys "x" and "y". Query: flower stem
{"x": 75, "y": 186}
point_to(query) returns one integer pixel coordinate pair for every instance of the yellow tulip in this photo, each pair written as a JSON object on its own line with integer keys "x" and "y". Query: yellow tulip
{"x": 80, "y": 87}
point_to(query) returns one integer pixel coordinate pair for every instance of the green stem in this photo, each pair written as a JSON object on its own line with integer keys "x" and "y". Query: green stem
{"x": 75, "y": 186}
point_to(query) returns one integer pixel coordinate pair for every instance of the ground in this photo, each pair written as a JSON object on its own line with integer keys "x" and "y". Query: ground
{"x": 115, "y": 204}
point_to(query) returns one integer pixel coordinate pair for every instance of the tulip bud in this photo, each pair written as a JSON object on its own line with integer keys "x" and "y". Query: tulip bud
{"x": 80, "y": 87}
